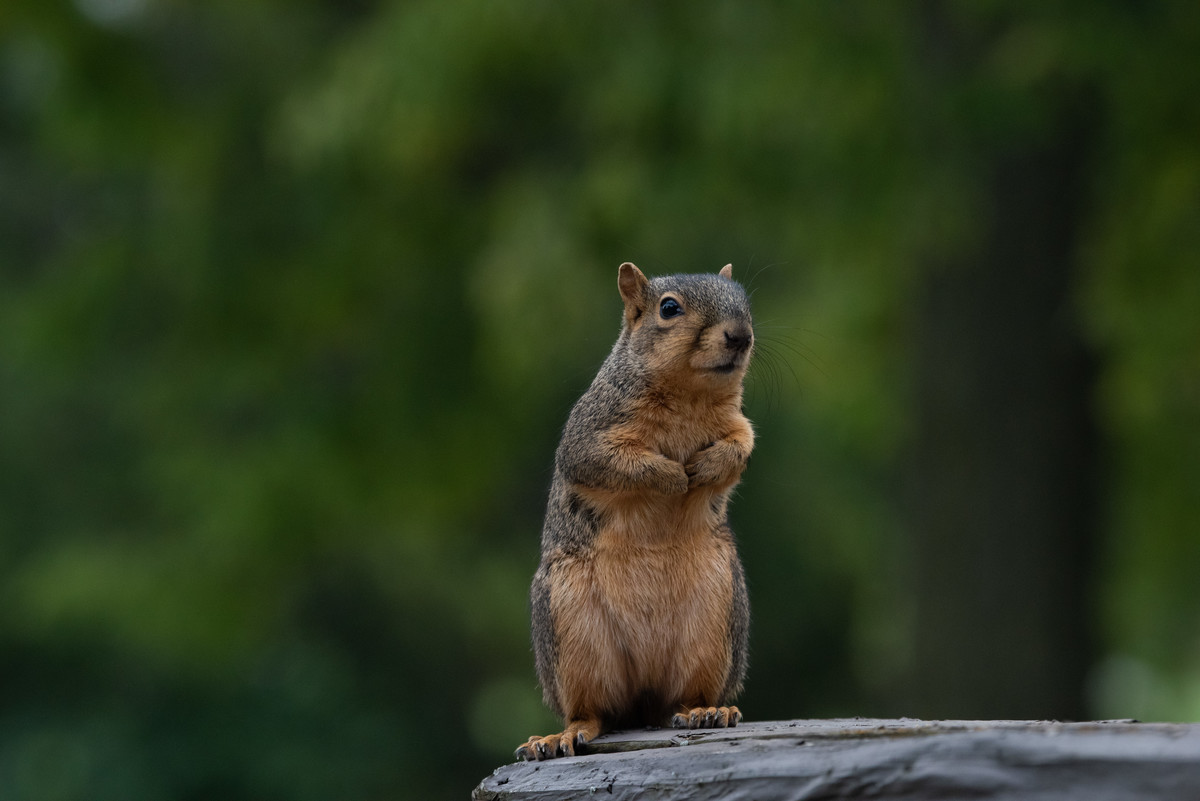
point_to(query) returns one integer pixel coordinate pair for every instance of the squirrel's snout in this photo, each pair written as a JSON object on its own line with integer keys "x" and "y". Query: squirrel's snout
{"x": 738, "y": 339}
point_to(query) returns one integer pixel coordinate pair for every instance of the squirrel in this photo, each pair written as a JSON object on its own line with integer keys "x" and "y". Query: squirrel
{"x": 639, "y": 608}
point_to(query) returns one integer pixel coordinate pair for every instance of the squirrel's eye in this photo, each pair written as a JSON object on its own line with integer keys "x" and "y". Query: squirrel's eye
{"x": 669, "y": 308}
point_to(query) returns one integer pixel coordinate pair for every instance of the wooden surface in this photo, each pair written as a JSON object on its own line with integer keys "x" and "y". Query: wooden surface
{"x": 880, "y": 759}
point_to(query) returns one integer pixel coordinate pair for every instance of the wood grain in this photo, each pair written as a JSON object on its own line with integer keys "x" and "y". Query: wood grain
{"x": 882, "y": 759}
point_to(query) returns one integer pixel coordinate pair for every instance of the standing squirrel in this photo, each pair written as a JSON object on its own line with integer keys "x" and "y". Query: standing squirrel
{"x": 639, "y": 606}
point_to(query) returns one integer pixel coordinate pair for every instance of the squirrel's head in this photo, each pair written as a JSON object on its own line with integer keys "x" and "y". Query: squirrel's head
{"x": 688, "y": 327}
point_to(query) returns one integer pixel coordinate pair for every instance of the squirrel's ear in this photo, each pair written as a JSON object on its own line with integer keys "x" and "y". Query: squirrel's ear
{"x": 631, "y": 282}
{"x": 727, "y": 272}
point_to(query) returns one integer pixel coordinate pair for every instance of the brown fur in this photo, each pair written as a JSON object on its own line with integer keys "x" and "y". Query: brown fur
{"x": 639, "y": 607}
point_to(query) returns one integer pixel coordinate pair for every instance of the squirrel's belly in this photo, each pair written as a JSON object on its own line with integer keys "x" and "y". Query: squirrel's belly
{"x": 668, "y": 605}
{"x": 646, "y": 611}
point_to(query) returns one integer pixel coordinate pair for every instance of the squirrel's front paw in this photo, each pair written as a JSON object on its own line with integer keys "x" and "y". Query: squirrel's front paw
{"x": 716, "y": 464}
{"x": 669, "y": 477}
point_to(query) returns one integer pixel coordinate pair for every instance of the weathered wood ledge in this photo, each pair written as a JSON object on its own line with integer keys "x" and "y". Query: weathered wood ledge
{"x": 881, "y": 759}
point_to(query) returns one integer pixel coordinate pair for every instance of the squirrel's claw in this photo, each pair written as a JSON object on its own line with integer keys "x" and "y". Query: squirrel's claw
{"x": 537, "y": 748}
{"x": 527, "y": 751}
{"x": 578, "y": 734}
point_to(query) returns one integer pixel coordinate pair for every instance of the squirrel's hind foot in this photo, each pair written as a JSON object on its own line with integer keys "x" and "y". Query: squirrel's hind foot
{"x": 712, "y": 717}
{"x": 577, "y": 733}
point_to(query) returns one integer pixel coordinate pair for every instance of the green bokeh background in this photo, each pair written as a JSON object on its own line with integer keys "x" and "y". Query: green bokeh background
{"x": 295, "y": 297}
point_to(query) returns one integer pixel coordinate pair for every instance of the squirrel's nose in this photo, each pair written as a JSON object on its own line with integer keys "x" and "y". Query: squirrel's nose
{"x": 738, "y": 339}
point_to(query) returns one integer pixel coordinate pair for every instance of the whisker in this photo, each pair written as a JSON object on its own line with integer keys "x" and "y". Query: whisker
{"x": 765, "y": 374}
{"x": 791, "y": 342}
{"x": 774, "y": 359}
{"x": 750, "y": 283}
{"x": 805, "y": 352}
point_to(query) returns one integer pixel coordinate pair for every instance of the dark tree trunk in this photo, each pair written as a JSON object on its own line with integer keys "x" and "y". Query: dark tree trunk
{"x": 1003, "y": 472}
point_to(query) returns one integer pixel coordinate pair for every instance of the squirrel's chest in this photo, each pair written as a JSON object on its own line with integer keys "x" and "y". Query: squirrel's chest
{"x": 679, "y": 429}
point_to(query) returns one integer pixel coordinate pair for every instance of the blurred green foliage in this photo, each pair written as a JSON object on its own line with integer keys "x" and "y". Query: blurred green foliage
{"x": 295, "y": 297}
